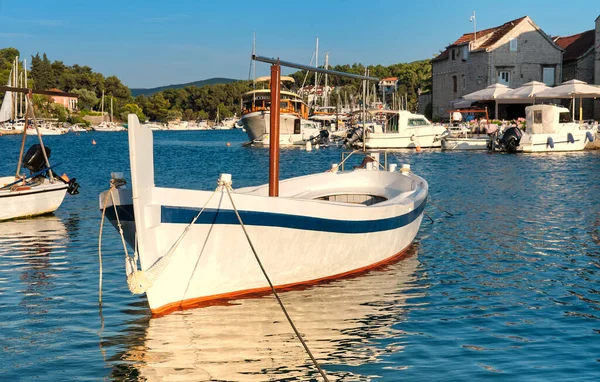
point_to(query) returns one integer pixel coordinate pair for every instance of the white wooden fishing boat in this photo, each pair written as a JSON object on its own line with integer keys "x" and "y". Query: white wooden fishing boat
{"x": 551, "y": 128}
{"x": 321, "y": 226}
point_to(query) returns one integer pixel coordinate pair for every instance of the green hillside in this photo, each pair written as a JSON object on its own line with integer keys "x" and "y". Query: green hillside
{"x": 210, "y": 81}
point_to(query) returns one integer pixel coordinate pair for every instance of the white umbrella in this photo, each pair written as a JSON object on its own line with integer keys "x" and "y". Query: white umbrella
{"x": 572, "y": 89}
{"x": 490, "y": 93}
{"x": 528, "y": 91}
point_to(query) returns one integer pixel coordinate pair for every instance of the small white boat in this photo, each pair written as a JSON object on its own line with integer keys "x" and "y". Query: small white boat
{"x": 464, "y": 143}
{"x": 43, "y": 130}
{"x": 551, "y": 128}
{"x": 38, "y": 193}
{"x": 108, "y": 127}
{"x": 76, "y": 129}
{"x": 322, "y": 226}
{"x": 402, "y": 129}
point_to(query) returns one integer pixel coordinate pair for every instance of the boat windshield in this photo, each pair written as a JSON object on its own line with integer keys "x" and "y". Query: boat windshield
{"x": 565, "y": 117}
{"x": 417, "y": 122}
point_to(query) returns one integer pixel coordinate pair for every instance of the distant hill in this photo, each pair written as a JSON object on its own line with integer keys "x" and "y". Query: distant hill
{"x": 210, "y": 81}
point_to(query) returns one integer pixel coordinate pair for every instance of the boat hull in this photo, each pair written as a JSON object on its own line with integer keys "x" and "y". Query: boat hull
{"x": 214, "y": 261}
{"x": 425, "y": 137}
{"x": 535, "y": 143}
{"x": 449, "y": 144}
{"x": 258, "y": 126}
{"x": 37, "y": 200}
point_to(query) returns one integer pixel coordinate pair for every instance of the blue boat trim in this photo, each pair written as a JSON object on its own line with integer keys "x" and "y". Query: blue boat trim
{"x": 184, "y": 215}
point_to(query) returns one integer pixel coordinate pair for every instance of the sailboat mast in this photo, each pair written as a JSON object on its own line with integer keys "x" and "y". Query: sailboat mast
{"x": 111, "y": 110}
{"x": 102, "y": 105}
{"x": 316, "y": 66}
{"x": 14, "y": 83}
{"x": 326, "y": 94}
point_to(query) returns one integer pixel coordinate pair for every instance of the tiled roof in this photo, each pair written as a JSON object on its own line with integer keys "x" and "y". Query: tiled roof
{"x": 577, "y": 45}
{"x": 485, "y": 37}
{"x": 389, "y": 79}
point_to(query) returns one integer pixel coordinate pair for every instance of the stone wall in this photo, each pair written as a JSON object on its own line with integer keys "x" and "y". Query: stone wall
{"x": 471, "y": 75}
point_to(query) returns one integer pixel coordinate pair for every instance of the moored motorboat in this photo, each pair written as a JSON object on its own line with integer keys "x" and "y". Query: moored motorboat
{"x": 402, "y": 129}
{"x": 549, "y": 128}
{"x": 41, "y": 191}
{"x": 256, "y": 114}
{"x": 464, "y": 143}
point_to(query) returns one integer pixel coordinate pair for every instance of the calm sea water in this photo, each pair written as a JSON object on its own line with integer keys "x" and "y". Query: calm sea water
{"x": 503, "y": 285}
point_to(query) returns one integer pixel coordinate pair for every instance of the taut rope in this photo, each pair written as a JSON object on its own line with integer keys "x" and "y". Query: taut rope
{"x": 227, "y": 186}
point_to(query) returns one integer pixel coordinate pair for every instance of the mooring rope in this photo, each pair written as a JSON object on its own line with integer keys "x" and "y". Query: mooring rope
{"x": 227, "y": 187}
{"x": 100, "y": 242}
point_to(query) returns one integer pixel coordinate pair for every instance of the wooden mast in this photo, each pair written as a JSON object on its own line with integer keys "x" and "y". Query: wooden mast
{"x": 275, "y": 110}
{"x": 274, "y": 135}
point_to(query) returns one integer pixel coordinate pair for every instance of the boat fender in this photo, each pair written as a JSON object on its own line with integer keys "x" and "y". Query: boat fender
{"x": 570, "y": 138}
{"x": 589, "y": 136}
{"x": 550, "y": 143}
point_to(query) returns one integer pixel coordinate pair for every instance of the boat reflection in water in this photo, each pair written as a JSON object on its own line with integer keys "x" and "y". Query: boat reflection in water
{"x": 250, "y": 339}
{"x": 30, "y": 250}
{"x": 40, "y": 235}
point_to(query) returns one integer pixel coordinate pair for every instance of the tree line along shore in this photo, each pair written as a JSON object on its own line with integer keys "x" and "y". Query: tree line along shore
{"x": 206, "y": 102}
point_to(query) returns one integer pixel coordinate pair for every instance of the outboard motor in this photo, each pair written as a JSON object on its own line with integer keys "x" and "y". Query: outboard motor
{"x": 34, "y": 159}
{"x": 510, "y": 139}
{"x": 353, "y": 136}
{"x": 323, "y": 136}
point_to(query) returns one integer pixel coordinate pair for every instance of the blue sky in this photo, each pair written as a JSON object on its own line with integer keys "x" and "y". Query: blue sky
{"x": 154, "y": 43}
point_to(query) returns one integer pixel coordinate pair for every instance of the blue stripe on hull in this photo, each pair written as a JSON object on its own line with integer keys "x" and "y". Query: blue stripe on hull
{"x": 184, "y": 215}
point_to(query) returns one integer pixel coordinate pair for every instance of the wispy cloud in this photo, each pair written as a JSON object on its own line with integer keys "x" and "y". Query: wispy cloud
{"x": 39, "y": 22}
{"x": 159, "y": 19}
{"x": 14, "y": 35}
{"x": 47, "y": 23}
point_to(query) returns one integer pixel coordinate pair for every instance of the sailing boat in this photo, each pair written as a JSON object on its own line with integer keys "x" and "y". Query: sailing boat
{"x": 12, "y": 104}
{"x": 108, "y": 126}
{"x": 41, "y": 191}
{"x": 360, "y": 219}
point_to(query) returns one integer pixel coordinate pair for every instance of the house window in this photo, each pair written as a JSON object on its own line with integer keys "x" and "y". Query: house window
{"x": 513, "y": 44}
{"x": 465, "y": 53}
{"x": 454, "y": 84}
{"x": 453, "y": 54}
{"x": 548, "y": 75}
{"x": 504, "y": 77}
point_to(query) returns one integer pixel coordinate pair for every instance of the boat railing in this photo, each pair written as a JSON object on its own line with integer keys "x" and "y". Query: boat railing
{"x": 367, "y": 154}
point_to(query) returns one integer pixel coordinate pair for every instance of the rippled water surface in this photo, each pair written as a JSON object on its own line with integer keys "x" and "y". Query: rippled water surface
{"x": 503, "y": 285}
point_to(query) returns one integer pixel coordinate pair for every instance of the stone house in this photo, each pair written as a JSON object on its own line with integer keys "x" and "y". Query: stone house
{"x": 578, "y": 62}
{"x": 597, "y": 66}
{"x": 513, "y": 54}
